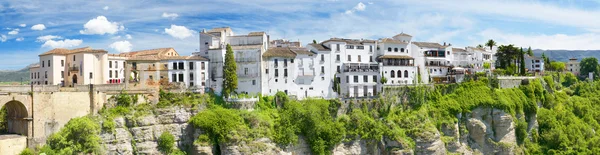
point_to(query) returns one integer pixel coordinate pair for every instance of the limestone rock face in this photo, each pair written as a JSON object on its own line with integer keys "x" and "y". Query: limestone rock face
{"x": 431, "y": 143}
{"x": 258, "y": 147}
{"x": 491, "y": 131}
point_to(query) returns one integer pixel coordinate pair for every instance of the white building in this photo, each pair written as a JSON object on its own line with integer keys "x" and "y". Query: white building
{"x": 189, "y": 70}
{"x": 247, "y": 49}
{"x": 437, "y": 60}
{"x": 66, "y": 67}
{"x": 534, "y": 64}
{"x": 573, "y": 66}
{"x": 116, "y": 69}
{"x": 397, "y": 61}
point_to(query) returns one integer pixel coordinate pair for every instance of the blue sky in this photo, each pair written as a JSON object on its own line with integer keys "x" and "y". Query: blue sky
{"x": 119, "y": 26}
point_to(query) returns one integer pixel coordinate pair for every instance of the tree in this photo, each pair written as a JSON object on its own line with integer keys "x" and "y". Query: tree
{"x": 529, "y": 51}
{"x": 506, "y": 55}
{"x": 522, "y": 62}
{"x": 487, "y": 65}
{"x": 480, "y": 46}
{"x": 589, "y": 64}
{"x": 556, "y": 66}
{"x": 569, "y": 79}
{"x": 490, "y": 43}
{"x": 314, "y": 41}
{"x": 230, "y": 82}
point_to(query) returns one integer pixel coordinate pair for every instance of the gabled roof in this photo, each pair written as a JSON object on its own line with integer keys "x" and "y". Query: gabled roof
{"x": 390, "y": 40}
{"x": 64, "y": 51}
{"x": 219, "y": 29}
{"x": 256, "y": 33}
{"x": 455, "y": 50}
{"x": 429, "y": 44}
{"x": 191, "y": 57}
{"x": 350, "y": 41}
{"x": 402, "y": 35}
{"x": 320, "y": 47}
{"x": 302, "y": 51}
{"x": 532, "y": 57}
{"x": 157, "y": 52}
{"x": 286, "y": 52}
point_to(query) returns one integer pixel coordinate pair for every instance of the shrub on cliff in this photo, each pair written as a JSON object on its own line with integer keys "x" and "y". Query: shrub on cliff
{"x": 78, "y": 136}
{"x": 166, "y": 142}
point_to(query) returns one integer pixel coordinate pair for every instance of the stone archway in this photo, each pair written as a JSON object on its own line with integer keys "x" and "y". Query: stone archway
{"x": 15, "y": 118}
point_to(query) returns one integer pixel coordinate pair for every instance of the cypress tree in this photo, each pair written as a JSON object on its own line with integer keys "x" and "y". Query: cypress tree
{"x": 230, "y": 81}
{"x": 522, "y": 65}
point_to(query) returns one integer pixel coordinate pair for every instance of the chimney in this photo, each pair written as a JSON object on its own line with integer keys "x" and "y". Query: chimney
{"x": 444, "y": 43}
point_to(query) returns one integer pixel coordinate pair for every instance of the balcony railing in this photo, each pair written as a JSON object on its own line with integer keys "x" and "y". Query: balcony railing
{"x": 73, "y": 69}
{"x": 358, "y": 67}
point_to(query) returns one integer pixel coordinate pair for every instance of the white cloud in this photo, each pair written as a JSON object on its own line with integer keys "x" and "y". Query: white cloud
{"x": 584, "y": 41}
{"x": 170, "y": 15}
{"x": 38, "y": 27}
{"x": 359, "y": 7}
{"x": 67, "y": 43}
{"x": 23, "y": 25}
{"x": 180, "y": 32}
{"x": 47, "y": 37}
{"x": 116, "y": 37}
{"x": 14, "y": 32}
{"x": 128, "y": 36}
{"x": 105, "y": 8}
{"x": 20, "y": 39}
{"x": 2, "y": 38}
{"x": 100, "y": 25}
{"x": 121, "y": 46}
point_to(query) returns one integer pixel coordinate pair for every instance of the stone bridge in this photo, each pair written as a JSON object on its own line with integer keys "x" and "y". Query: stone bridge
{"x": 35, "y": 112}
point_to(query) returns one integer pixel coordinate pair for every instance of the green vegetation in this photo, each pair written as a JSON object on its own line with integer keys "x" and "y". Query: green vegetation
{"x": 79, "y": 135}
{"x": 27, "y": 151}
{"x": 588, "y": 65}
{"x": 490, "y": 43}
{"x": 166, "y": 143}
{"x": 522, "y": 62}
{"x": 3, "y": 120}
{"x": 230, "y": 82}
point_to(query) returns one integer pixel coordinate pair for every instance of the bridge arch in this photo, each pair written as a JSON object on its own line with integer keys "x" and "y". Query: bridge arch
{"x": 15, "y": 119}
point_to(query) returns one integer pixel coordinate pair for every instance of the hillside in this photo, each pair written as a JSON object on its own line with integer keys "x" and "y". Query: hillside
{"x": 565, "y": 55}
{"x": 15, "y": 76}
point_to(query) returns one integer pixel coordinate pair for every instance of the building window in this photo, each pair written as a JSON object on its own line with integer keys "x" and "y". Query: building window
{"x": 359, "y": 59}
{"x": 91, "y": 75}
{"x": 337, "y": 47}
{"x": 245, "y": 71}
{"x": 355, "y": 79}
{"x": 180, "y": 65}
{"x": 338, "y": 69}
{"x": 322, "y": 57}
{"x": 116, "y": 74}
{"x": 62, "y": 74}
{"x": 374, "y": 78}
{"x": 401, "y": 49}
{"x": 191, "y": 76}
{"x": 285, "y": 73}
{"x": 150, "y": 77}
{"x": 395, "y": 49}
{"x": 267, "y": 71}
{"x": 62, "y": 63}
{"x": 109, "y": 64}
{"x": 405, "y": 73}
{"x": 276, "y": 73}
{"x": 203, "y": 84}
{"x": 337, "y": 57}
{"x": 253, "y": 82}
{"x": 349, "y": 58}
{"x": 370, "y": 48}
{"x": 202, "y": 65}
{"x": 322, "y": 69}
{"x": 117, "y": 64}
{"x": 174, "y": 77}
{"x": 392, "y": 74}
{"x": 73, "y": 57}
{"x": 191, "y": 65}
{"x": 365, "y": 79}
{"x": 370, "y": 58}
{"x": 174, "y": 66}
{"x": 360, "y": 47}
{"x": 191, "y": 84}
{"x": 43, "y": 64}
{"x": 349, "y": 46}
{"x": 276, "y": 64}
{"x": 347, "y": 79}
{"x": 180, "y": 77}
{"x": 109, "y": 74}
{"x": 284, "y": 62}
{"x": 399, "y": 73}
{"x": 389, "y": 49}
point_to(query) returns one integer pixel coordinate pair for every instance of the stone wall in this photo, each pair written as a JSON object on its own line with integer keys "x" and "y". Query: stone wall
{"x": 12, "y": 144}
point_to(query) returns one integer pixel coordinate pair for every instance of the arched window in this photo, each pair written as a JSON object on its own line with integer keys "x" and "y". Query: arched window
{"x": 405, "y": 73}
{"x": 401, "y": 49}
{"x": 399, "y": 73}
{"x": 395, "y": 49}
{"x": 392, "y": 74}
{"x": 389, "y": 49}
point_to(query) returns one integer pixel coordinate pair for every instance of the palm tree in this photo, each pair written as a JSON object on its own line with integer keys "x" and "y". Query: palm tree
{"x": 491, "y": 43}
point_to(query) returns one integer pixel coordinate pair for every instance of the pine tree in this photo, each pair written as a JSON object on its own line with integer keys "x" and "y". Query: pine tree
{"x": 230, "y": 82}
{"x": 522, "y": 65}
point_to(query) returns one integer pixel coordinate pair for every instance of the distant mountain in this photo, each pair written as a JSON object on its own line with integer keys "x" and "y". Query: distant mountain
{"x": 565, "y": 55}
{"x": 15, "y": 75}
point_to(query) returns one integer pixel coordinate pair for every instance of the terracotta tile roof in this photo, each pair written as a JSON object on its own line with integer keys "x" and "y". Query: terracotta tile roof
{"x": 279, "y": 52}
{"x": 245, "y": 47}
{"x": 300, "y": 50}
{"x": 145, "y": 58}
{"x": 157, "y": 51}
{"x": 320, "y": 47}
{"x": 256, "y": 33}
{"x": 395, "y": 57}
{"x": 350, "y": 41}
{"x": 64, "y": 51}
{"x": 402, "y": 35}
{"x": 390, "y": 40}
{"x": 36, "y": 65}
{"x": 191, "y": 57}
{"x": 429, "y": 44}
{"x": 219, "y": 29}
{"x": 455, "y": 50}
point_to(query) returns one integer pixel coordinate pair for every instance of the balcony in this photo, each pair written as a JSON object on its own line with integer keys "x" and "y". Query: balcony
{"x": 392, "y": 62}
{"x": 306, "y": 73}
{"x": 435, "y": 54}
{"x": 155, "y": 68}
{"x": 360, "y": 67}
{"x": 73, "y": 69}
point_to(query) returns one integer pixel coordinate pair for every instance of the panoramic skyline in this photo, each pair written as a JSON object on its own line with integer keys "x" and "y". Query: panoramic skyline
{"x": 30, "y": 28}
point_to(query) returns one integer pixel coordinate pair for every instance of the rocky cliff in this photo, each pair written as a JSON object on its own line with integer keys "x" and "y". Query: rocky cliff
{"x": 483, "y": 131}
